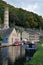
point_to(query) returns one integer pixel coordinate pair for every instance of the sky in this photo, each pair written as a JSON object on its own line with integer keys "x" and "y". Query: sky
{"x": 35, "y": 6}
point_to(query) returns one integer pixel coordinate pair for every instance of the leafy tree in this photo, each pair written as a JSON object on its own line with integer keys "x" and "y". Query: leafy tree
{"x": 1, "y": 37}
{"x": 35, "y": 24}
{"x": 27, "y": 24}
{"x": 19, "y": 17}
{"x": 0, "y": 22}
{"x": 40, "y": 22}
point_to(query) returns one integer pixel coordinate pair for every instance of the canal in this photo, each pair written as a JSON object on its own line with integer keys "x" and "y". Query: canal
{"x": 13, "y": 55}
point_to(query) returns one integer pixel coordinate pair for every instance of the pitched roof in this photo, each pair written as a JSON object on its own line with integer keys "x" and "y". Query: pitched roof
{"x": 32, "y": 32}
{"x": 6, "y": 32}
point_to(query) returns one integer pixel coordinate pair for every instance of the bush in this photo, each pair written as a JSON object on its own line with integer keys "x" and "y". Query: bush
{"x": 1, "y": 37}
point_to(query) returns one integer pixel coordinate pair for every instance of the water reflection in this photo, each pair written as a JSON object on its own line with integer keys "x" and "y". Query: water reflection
{"x": 0, "y": 57}
{"x": 4, "y": 55}
{"x": 9, "y": 54}
{"x": 5, "y": 52}
{"x": 13, "y": 55}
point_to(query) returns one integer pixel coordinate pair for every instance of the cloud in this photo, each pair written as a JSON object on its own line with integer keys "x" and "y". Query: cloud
{"x": 30, "y": 5}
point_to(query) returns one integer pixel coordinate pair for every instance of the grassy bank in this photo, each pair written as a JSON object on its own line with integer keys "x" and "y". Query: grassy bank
{"x": 38, "y": 57}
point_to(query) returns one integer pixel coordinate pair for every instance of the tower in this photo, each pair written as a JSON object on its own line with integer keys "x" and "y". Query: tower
{"x": 6, "y": 18}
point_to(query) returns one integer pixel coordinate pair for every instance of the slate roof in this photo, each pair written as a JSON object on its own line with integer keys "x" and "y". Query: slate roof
{"x": 32, "y": 32}
{"x": 6, "y": 32}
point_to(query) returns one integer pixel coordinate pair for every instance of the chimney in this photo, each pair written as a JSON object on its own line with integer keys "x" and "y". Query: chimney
{"x": 6, "y": 18}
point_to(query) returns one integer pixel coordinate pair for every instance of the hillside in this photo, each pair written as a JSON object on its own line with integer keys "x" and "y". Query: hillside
{"x": 20, "y": 17}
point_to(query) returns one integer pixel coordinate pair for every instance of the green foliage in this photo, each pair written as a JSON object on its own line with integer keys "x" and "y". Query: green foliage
{"x": 41, "y": 39}
{"x": 19, "y": 17}
{"x": 0, "y": 21}
{"x": 1, "y": 37}
{"x": 38, "y": 57}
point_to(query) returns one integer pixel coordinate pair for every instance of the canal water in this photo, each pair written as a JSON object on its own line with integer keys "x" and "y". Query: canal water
{"x": 8, "y": 54}
{"x": 3, "y": 56}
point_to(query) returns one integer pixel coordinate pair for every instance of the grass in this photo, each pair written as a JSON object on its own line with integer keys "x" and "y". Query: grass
{"x": 38, "y": 57}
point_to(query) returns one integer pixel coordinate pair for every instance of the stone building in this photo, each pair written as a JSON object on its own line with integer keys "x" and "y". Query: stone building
{"x": 10, "y": 35}
{"x": 33, "y": 35}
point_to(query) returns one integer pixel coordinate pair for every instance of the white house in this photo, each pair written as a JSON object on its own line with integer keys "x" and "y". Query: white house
{"x": 33, "y": 35}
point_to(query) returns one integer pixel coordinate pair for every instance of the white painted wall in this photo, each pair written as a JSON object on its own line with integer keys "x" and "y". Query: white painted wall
{"x": 13, "y": 36}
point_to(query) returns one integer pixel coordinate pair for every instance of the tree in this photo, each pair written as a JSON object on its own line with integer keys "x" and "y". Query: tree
{"x": 35, "y": 24}
{"x": 1, "y": 37}
{"x": 27, "y": 24}
{"x": 19, "y": 16}
{"x": 0, "y": 22}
